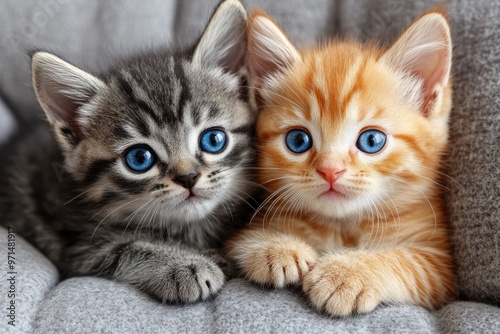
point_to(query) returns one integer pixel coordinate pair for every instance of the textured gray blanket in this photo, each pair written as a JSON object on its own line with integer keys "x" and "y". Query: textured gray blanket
{"x": 93, "y": 32}
{"x": 93, "y": 305}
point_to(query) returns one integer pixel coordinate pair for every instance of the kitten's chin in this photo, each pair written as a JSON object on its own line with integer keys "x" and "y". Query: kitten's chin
{"x": 332, "y": 195}
{"x": 333, "y": 204}
{"x": 193, "y": 208}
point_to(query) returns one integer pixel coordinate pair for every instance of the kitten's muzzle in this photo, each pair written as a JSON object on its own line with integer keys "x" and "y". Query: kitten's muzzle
{"x": 187, "y": 181}
{"x": 331, "y": 174}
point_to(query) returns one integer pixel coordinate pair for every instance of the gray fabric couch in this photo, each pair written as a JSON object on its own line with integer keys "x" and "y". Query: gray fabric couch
{"x": 91, "y": 33}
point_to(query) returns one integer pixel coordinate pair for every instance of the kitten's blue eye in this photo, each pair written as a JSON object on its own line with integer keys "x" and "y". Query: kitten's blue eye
{"x": 371, "y": 141}
{"x": 213, "y": 141}
{"x": 298, "y": 141}
{"x": 140, "y": 159}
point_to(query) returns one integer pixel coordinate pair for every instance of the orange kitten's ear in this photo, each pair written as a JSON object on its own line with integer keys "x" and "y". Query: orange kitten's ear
{"x": 424, "y": 51}
{"x": 269, "y": 49}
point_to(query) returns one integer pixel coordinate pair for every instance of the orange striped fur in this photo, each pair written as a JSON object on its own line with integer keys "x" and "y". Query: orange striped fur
{"x": 381, "y": 235}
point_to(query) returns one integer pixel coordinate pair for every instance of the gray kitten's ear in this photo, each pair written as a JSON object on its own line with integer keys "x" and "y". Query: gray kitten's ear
{"x": 224, "y": 40}
{"x": 62, "y": 89}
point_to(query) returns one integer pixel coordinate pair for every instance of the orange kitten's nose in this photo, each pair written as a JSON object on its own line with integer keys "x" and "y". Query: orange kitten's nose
{"x": 331, "y": 174}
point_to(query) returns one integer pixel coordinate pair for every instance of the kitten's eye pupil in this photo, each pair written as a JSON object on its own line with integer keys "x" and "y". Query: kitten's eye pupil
{"x": 213, "y": 141}
{"x": 298, "y": 141}
{"x": 141, "y": 156}
{"x": 140, "y": 159}
{"x": 371, "y": 141}
{"x": 215, "y": 138}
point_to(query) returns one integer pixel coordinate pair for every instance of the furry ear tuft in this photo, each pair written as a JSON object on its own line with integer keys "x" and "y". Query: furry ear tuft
{"x": 62, "y": 89}
{"x": 270, "y": 51}
{"x": 223, "y": 42}
{"x": 424, "y": 51}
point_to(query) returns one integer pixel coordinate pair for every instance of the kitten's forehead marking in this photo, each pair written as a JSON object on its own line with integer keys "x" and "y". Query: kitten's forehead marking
{"x": 314, "y": 108}
{"x": 320, "y": 81}
{"x": 339, "y": 141}
{"x": 139, "y": 92}
{"x": 334, "y": 132}
{"x": 351, "y": 78}
{"x": 176, "y": 84}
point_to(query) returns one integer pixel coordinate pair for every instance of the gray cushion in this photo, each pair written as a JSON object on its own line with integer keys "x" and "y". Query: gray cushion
{"x": 95, "y": 305}
{"x": 240, "y": 308}
{"x": 34, "y": 276}
{"x": 468, "y": 317}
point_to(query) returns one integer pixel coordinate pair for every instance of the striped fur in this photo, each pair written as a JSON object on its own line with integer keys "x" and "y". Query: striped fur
{"x": 80, "y": 204}
{"x": 380, "y": 236}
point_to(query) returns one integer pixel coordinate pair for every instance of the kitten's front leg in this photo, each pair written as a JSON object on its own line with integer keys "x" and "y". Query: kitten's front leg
{"x": 271, "y": 258}
{"x": 167, "y": 271}
{"x": 357, "y": 282}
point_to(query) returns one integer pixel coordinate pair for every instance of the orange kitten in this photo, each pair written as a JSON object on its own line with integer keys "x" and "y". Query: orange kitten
{"x": 351, "y": 139}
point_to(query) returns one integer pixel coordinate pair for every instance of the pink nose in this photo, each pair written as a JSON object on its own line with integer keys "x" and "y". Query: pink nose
{"x": 330, "y": 174}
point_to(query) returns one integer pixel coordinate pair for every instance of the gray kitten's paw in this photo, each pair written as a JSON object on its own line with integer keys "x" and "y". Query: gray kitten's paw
{"x": 195, "y": 279}
{"x": 225, "y": 265}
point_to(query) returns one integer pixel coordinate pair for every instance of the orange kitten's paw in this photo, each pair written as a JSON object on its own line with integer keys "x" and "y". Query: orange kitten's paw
{"x": 340, "y": 287}
{"x": 280, "y": 263}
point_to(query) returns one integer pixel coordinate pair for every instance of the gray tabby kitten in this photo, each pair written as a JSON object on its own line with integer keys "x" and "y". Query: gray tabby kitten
{"x": 151, "y": 168}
